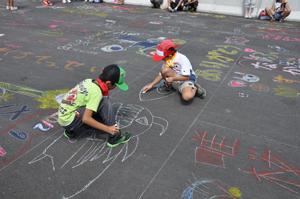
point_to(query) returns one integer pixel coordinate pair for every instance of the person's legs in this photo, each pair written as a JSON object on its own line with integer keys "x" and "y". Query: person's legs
{"x": 247, "y": 6}
{"x": 287, "y": 11}
{"x": 270, "y": 13}
{"x": 188, "y": 92}
{"x": 105, "y": 112}
{"x": 194, "y": 6}
{"x": 167, "y": 72}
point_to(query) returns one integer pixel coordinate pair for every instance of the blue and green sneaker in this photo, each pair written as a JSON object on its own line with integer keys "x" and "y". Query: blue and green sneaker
{"x": 200, "y": 92}
{"x": 118, "y": 139}
{"x": 69, "y": 134}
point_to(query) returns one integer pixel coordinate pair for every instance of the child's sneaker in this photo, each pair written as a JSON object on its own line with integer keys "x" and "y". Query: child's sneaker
{"x": 13, "y": 8}
{"x": 49, "y": 3}
{"x": 64, "y": 1}
{"x": 45, "y": 3}
{"x": 91, "y": 1}
{"x": 69, "y": 134}
{"x": 200, "y": 92}
{"x": 7, "y": 7}
{"x": 118, "y": 139}
{"x": 69, "y": 1}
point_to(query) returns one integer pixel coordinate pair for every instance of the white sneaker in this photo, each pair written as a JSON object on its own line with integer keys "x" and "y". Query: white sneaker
{"x": 91, "y": 1}
{"x": 185, "y": 8}
{"x": 13, "y": 8}
{"x": 64, "y": 1}
{"x": 69, "y": 1}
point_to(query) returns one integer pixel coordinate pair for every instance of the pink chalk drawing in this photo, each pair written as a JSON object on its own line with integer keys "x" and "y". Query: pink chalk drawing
{"x": 210, "y": 154}
{"x": 276, "y": 37}
{"x": 2, "y": 152}
{"x": 53, "y": 26}
{"x": 13, "y": 46}
{"x": 237, "y": 40}
{"x": 266, "y": 66}
{"x": 237, "y": 83}
{"x": 283, "y": 169}
{"x": 249, "y": 50}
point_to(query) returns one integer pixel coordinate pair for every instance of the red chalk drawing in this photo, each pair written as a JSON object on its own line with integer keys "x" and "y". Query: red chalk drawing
{"x": 139, "y": 23}
{"x": 269, "y": 159}
{"x": 211, "y": 152}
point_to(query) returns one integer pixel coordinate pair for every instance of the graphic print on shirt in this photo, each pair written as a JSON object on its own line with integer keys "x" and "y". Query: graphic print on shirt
{"x": 70, "y": 98}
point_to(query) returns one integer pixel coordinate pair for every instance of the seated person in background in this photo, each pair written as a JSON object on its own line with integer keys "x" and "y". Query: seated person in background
{"x": 156, "y": 3}
{"x": 279, "y": 11}
{"x": 175, "y": 6}
{"x": 190, "y": 3}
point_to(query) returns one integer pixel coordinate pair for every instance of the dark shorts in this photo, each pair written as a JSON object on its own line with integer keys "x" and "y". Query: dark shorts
{"x": 105, "y": 115}
{"x": 277, "y": 16}
{"x": 195, "y": 4}
{"x": 174, "y": 5}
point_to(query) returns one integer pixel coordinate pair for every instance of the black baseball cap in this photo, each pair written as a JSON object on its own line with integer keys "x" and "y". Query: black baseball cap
{"x": 115, "y": 74}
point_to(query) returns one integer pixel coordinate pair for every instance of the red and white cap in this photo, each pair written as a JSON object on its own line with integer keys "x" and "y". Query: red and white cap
{"x": 163, "y": 51}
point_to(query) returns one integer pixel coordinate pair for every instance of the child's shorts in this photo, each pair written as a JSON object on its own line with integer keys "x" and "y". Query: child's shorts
{"x": 277, "y": 16}
{"x": 180, "y": 86}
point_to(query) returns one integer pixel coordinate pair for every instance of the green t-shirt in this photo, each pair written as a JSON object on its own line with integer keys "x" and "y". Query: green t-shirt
{"x": 86, "y": 93}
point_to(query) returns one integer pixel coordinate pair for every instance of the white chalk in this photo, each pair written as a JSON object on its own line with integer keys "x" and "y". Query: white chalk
{"x": 144, "y": 92}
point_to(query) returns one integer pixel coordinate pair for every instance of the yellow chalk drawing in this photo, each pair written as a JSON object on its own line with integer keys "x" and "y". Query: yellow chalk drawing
{"x": 285, "y": 91}
{"x": 6, "y": 96}
{"x": 86, "y": 12}
{"x": 235, "y": 192}
{"x": 270, "y": 56}
{"x": 214, "y": 64}
{"x": 220, "y": 16}
{"x": 209, "y": 36}
{"x": 53, "y": 33}
{"x": 47, "y": 99}
{"x": 217, "y": 56}
{"x": 212, "y": 75}
{"x": 21, "y": 89}
{"x": 179, "y": 41}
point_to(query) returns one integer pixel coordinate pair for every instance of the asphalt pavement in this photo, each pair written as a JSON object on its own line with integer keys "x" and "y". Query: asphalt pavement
{"x": 241, "y": 141}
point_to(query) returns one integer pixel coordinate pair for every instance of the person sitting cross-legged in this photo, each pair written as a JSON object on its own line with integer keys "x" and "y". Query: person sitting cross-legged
{"x": 279, "y": 11}
{"x": 175, "y": 6}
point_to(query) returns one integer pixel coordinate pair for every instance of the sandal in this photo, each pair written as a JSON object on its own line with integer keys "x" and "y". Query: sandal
{"x": 272, "y": 19}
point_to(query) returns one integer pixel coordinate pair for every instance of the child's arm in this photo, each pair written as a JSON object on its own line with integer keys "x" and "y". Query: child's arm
{"x": 89, "y": 120}
{"x": 155, "y": 81}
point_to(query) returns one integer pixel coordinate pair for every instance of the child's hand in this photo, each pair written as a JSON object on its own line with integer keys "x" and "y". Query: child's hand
{"x": 113, "y": 130}
{"x": 146, "y": 88}
{"x": 169, "y": 80}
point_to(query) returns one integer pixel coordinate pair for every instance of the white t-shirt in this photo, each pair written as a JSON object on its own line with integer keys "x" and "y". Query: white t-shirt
{"x": 182, "y": 66}
{"x": 277, "y": 6}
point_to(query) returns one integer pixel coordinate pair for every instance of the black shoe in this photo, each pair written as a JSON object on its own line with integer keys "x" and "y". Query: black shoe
{"x": 166, "y": 88}
{"x": 200, "y": 92}
{"x": 118, "y": 139}
{"x": 69, "y": 134}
